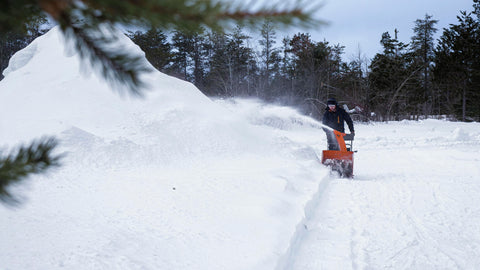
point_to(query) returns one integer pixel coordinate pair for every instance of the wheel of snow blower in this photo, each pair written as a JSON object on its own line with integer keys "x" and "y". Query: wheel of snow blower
{"x": 343, "y": 167}
{"x": 347, "y": 169}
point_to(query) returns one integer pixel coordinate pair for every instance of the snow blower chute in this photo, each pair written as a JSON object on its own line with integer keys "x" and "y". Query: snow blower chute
{"x": 339, "y": 155}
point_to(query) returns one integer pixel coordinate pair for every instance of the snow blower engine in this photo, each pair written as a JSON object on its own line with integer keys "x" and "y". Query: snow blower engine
{"x": 339, "y": 155}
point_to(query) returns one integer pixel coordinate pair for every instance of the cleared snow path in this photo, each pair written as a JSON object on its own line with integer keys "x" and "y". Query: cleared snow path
{"x": 414, "y": 203}
{"x": 302, "y": 231}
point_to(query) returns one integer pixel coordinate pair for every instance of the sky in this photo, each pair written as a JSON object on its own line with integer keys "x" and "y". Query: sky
{"x": 180, "y": 181}
{"x": 359, "y": 24}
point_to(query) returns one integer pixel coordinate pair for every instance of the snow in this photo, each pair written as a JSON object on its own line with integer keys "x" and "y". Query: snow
{"x": 179, "y": 181}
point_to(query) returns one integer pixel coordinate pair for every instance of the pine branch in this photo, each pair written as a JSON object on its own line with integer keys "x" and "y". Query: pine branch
{"x": 192, "y": 14}
{"x": 16, "y": 167}
{"x": 119, "y": 67}
{"x": 81, "y": 21}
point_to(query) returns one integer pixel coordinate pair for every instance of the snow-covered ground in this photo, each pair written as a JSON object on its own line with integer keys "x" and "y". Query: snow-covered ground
{"x": 178, "y": 181}
{"x": 413, "y": 204}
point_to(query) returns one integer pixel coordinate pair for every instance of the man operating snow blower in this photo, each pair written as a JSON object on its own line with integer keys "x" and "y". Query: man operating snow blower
{"x": 339, "y": 155}
{"x": 335, "y": 117}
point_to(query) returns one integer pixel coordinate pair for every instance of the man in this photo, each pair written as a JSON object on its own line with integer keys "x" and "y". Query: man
{"x": 335, "y": 117}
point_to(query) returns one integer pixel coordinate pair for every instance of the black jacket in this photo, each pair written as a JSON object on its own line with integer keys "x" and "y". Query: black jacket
{"x": 335, "y": 119}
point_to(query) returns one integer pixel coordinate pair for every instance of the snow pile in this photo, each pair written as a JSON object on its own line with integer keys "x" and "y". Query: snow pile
{"x": 460, "y": 135}
{"x": 21, "y": 58}
{"x": 178, "y": 181}
{"x": 171, "y": 181}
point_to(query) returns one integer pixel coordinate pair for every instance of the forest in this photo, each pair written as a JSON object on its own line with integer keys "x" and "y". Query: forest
{"x": 424, "y": 78}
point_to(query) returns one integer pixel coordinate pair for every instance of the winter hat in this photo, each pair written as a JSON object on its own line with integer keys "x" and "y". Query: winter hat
{"x": 331, "y": 101}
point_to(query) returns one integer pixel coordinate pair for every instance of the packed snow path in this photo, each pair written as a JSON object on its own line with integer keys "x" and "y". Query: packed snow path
{"x": 414, "y": 203}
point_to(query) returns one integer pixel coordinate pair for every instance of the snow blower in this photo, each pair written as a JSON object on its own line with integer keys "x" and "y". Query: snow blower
{"x": 339, "y": 155}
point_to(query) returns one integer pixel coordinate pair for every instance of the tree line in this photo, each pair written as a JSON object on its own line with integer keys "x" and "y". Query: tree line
{"x": 296, "y": 71}
{"x": 425, "y": 77}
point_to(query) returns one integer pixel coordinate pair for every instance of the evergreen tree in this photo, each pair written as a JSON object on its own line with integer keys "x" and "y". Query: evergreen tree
{"x": 189, "y": 56}
{"x": 389, "y": 44}
{"x": 457, "y": 68}
{"x": 422, "y": 47}
{"x": 303, "y": 66}
{"x": 190, "y": 50}
{"x": 476, "y": 8}
{"x": 156, "y": 47}
{"x": 329, "y": 62}
{"x": 353, "y": 81}
{"x": 287, "y": 72}
{"x": 309, "y": 72}
{"x": 232, "y": 68}
{"x": 389, "y": 79}
{"x": 182, "y": 45}
{"x": 241, "y": 62}
{"x": 199, "y": 57}
{"x": 270, "y": 58}
{"x": 218, "y": 66}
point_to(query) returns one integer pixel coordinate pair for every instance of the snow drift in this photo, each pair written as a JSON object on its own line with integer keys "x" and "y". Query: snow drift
{"x": 170, "y": 181}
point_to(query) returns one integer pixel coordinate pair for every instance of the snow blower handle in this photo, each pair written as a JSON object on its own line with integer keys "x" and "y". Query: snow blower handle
{"x": 349, "y": 137}
{"x": 349, "y": 141}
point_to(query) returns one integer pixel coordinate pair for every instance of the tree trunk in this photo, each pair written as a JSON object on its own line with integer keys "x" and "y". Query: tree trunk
{"x": 464, "y": 103}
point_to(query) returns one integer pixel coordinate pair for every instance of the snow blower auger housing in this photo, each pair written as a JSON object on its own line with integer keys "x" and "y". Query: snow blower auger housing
{"x": 340, "y": 154}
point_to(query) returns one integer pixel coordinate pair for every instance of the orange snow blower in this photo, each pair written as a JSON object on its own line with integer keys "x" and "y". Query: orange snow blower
{"x": 340, "y": 154}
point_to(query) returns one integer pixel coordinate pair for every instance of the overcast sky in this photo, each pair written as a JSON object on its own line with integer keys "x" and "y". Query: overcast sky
{"x": 360, "y": 23}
